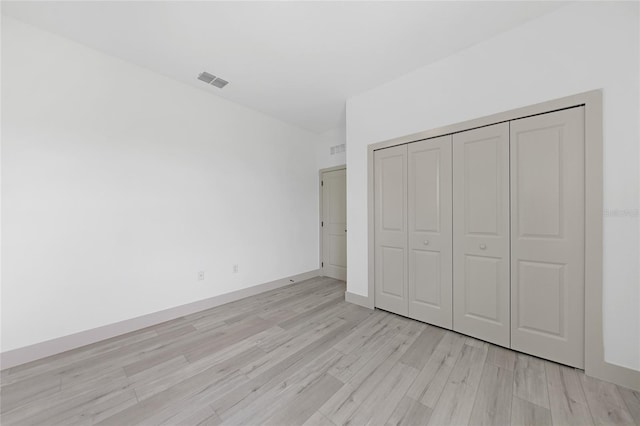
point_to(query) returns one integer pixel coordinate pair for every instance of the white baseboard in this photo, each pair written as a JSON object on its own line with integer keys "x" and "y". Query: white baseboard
{"x": 47, "y": 348}
{"x": 357, "y": 299}
{"x": 617, "y": 374}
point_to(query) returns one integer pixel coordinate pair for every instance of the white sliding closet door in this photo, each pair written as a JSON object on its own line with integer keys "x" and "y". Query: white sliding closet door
{"x": 430, "y": 238}
{"x": 481, "y": 233}
{"x": 547, "y": 236}
{"x": 390, "y": 169}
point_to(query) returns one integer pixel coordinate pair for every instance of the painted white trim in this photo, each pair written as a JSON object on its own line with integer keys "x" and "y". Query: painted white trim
{"x": 621, "y": 376}
{"x": 357, "y": 299}
{"x": 47, "y": 348}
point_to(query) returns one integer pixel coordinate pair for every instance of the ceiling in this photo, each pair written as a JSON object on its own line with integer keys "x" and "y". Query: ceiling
{"x": 296, "y": 61}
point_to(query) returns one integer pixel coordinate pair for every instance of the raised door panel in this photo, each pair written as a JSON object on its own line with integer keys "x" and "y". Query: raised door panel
{"x": 482, "y": 288}
{"x": 430, "y": 238}
{"x": 392, "y": 262}
{"x": 547, "y": 236}
{"x": 390, "y": 200}
{"x": 481, "y": 233}
{"x": 334, "y": 229}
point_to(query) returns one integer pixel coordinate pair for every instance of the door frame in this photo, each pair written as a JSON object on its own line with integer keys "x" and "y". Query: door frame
{"x": 595, "y": 364}
{"x": 321, "y": 219}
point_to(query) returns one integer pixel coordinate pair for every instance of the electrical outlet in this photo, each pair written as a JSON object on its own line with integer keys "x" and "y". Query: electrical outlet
{"x": 200, "y": 275}
{"x": 235, "y": 269}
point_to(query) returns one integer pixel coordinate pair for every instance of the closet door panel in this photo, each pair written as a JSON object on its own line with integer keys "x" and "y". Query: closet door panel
{"x": 481, "y": 233}
{"x": 547, "y": 236}
{"x": 430, "y": 233}
{"x": 391, "y": 260}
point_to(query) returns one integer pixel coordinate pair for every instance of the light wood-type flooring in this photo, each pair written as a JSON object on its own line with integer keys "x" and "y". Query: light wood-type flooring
{"x": 302, "y": 355}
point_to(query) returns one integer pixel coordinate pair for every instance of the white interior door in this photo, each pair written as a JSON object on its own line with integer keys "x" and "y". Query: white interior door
{"x": 430, "y": 231}
{"x": 334, "y": 224}
{"x": 547, "y": 236}
{"x": 481, "y": 233}
{"x": 390, "y": 170}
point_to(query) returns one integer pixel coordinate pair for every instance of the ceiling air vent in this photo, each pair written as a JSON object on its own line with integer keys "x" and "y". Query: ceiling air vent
{"x": 206, "y": 77}
{"x": 219, "y": 83}
{"x": 212, "y": 80}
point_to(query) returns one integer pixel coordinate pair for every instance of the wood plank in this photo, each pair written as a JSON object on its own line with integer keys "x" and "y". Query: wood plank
{"x": 530, "y": 381}
{"x": 353, "y": 393}
{"x": 605, "y": 402}
{"x": 177, "y": 363}
{"x": 20, "y": 393}
{"x": 420, "y": 352}
{"x": 175, "y": 332}
{"x": 183, "y": 400}
{"x": 350, "y": 364}
{"x": 524, "y": 413}
{"x": 57, "y": 363}
{"x": 566, "y": 398}
{"x": 378, "y": 406}
{"x": 306, "y": 402}
{"x": 222, "y": 364}
{"x": 409, "y": 412}
{"x": 493, "y": 400}
{"x": 328, "y": 316}
{"x": 305, "y": 316}
{"x": 244, "y": 395}
{"x": 476, "y": 343}
{"x": 143, "y": 352}
{"x": 318, "y": 419}
{"x": 90, "y": 399}
{"x": 457, "y": 398}
{"x": 226, "y": 338}
{"x": 632, "y": 399}
{"x": 375, "y": 326}
{"x": 288, "y": 387}
{"x": 220, "y": 378}
{"x": 291, "y": 347}
{"x": 362, "y": 352}
{"x": 502, "y": 357}
{"x": 434, "y": 375}
{"x": 204, "y": 416}
{"x": 93, "y": 411}
{"x": 278, "y": 316}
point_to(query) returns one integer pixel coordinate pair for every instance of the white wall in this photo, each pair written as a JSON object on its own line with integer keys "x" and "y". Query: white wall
{"x": 578, "y": 48}
{"x": 119, "y": 185}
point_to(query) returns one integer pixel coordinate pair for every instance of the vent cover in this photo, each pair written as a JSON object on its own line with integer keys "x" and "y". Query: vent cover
{"x": 212, "y": 80}
{"x": 206, "y": 77}
{"x": 337, "y": 149}
{"x": 219, "y": 83}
